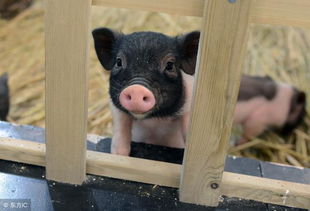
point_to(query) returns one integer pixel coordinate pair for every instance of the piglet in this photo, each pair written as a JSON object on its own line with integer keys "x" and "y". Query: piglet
{"x": 150, "y": 85}
{"x": 264, "y": 104}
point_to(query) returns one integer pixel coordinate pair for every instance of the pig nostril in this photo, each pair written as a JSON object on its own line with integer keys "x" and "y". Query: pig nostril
{"x": 128, "y": 97}
{"x": 145, "y": 98}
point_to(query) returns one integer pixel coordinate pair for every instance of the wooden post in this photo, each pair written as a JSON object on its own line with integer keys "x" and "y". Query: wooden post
{"x": 67, "y": 42}
{"x": 219, "y": 66}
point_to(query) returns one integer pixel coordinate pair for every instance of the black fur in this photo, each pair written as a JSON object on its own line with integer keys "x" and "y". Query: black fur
{"x": 142, "y": 58}
{"x": 297, "y": 112}
{"x": 253, "y": 86}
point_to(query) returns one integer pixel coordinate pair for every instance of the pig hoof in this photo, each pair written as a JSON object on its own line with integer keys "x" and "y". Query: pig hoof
{"x": 120, "y": 151}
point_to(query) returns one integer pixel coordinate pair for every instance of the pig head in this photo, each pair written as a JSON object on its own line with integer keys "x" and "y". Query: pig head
{"x": 150, "y": 87}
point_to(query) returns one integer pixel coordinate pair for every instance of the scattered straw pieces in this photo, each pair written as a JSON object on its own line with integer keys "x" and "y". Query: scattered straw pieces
{"x": 281, "y": 52}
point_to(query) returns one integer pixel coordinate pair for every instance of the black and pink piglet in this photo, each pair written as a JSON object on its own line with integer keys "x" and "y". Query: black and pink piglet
{"x": 151, "y": 84}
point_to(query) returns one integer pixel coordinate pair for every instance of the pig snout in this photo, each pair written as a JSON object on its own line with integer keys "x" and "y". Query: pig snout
{"x": 137, "y": 99}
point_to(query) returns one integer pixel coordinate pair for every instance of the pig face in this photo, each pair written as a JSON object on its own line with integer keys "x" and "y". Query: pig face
{"x": 146, "y": 79}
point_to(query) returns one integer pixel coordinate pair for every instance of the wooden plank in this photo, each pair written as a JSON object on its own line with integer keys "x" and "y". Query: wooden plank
{"x": 67, "y": 31}
{"x": 177, "y": 7}
{"x": 22, "y": 151}
{"x": 134, "y": 169}
{"x": 104, "y": 164}
{"x": 166, "y": 174}
{"x": 282, "y": 12}
{"x": 277, "y": 12}
{"x": 266, "y": 190}
{"x": 219, "y": 65}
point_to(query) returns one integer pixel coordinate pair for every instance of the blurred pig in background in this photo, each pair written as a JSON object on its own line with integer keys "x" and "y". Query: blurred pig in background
{"x": 264, "y": 104}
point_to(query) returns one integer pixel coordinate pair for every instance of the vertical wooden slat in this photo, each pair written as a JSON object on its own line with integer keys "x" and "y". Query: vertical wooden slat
{"x": 221, "y": 52}
{"x": 67, "y": 41}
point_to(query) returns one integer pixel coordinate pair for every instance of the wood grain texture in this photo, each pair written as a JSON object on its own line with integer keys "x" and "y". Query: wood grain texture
{"x": 219, "y": 63}
{"x": 103, "y": 164}
{"x": 134, "y": 169}
{"x": 282, "y": 12}
{"x": 266, "y": 190}
{"x": 22, "y": 151}
{"x": 178, "y": 7}
{"x": 67, "y": 35}
{"x": 277, "y": 12}
{"x": 166, "y": 174}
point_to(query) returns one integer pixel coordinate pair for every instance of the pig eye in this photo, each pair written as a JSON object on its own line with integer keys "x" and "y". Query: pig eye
{"x": 169, "y": 66}
{"x": 119, "y": 62}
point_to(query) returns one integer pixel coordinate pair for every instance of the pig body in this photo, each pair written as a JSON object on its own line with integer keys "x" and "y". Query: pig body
{"x": 269, "y": 112}
{"x": 264, "y": 104}
{"x": 151, "y": 84}
{"x": 165, "y": 132}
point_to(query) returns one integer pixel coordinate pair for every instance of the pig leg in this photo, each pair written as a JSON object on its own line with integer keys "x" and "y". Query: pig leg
{"x": 122, "y": 124}
{"x": 185, "y": 124}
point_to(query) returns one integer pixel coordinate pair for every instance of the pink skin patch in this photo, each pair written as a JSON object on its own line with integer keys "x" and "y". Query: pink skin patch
{"x": 137, "y": 99}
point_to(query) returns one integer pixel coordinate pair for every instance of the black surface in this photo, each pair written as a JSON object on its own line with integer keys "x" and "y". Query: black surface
{"x": 282, "y": 172}
{"x": 148, "y": 151}
{"x": 24, "y": 132}
{"x": 20, "y": 181}
{"x": 97, "y": 193}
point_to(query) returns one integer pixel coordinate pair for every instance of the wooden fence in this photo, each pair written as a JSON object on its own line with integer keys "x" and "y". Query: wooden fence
{"x": 221, "y": 53}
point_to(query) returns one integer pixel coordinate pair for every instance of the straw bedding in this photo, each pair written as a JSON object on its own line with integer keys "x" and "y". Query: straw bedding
{"x": 281, "y": 52}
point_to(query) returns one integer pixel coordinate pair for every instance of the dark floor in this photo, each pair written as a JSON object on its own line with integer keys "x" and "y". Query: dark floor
{"x": 23, "y": 186}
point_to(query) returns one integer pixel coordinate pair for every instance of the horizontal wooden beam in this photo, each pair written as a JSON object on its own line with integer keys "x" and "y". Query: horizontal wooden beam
{"x": 165, "y": 174}
{"x": 276, "y": 12}
{"x": 22, "y": 151}
{"x": 175, "y": 7}
{"x": 134, "y": 169}
{"x": 282, "y": 12}
{"x": 104, "y": 164}
{"x": 266, "y": 190}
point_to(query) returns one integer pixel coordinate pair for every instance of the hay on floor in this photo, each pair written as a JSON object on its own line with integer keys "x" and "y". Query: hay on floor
{"x": 281, "y": 52}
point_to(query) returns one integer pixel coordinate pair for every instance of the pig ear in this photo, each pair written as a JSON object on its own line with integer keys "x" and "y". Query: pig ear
{"x": 104, "y": 40}
{"x": 188, "y": 47}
